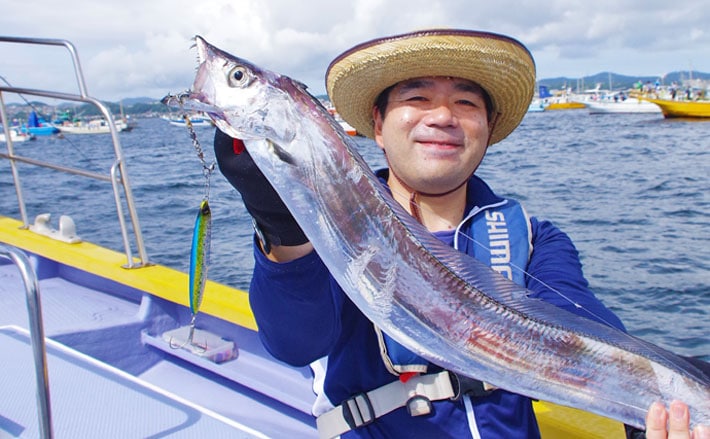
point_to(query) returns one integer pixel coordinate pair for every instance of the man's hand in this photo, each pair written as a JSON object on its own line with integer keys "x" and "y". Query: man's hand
{"x": 673, "y": 423}
{"x": 274, "y": 223}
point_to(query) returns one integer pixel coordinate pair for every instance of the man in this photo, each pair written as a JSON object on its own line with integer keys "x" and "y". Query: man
{"x": 434, "y": 101}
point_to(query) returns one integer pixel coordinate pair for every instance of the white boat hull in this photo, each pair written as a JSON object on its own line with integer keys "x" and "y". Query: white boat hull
{"x": 630, "y": 105}
{"x": 92, "y": 127}
{"x": 16, "y": 136}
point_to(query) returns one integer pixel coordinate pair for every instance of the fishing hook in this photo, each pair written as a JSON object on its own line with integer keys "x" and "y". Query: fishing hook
{"x": 190, "y": 339}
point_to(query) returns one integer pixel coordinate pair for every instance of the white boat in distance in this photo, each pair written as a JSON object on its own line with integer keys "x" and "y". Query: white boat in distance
{"x": 620, "y": 103}
{"x": 195, "y": 121}
{"x": 95, "y": 126}
{"x": 16, "y": 135}
{"x": 536, "y": 106}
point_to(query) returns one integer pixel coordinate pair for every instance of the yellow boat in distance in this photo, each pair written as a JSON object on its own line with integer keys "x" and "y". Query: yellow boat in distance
{"x": 571, "y": 105}
{"x": 564, "y": 102}
{"x": 671, "y": 109}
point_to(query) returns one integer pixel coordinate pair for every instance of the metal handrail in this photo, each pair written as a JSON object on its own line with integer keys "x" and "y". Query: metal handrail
{"x": 118, "y": 175}
{"x": 34, "y": 309}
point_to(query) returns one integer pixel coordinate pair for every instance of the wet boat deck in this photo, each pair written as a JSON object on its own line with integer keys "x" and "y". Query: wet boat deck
{"x": 112, "y": 375}
{"x": 83, "y": 389}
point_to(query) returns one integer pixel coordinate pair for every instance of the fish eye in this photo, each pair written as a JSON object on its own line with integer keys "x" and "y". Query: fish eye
{"x": 238, "y": 76}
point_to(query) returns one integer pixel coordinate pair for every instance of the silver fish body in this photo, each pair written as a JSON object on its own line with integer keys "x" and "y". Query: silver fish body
{"x": 439, "y": 303}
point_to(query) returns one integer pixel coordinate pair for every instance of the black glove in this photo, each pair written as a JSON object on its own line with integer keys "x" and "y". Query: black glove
{"x": 273, "y": 222}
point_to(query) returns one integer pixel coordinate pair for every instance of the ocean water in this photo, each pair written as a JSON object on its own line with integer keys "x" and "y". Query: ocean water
{"x": 633, "y": 192}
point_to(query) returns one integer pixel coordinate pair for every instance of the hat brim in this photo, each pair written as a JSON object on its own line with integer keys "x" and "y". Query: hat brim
{"x": 499, "y": 64}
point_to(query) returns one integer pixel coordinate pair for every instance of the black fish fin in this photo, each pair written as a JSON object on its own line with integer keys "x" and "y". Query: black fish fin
{"x": 281, "y": 153}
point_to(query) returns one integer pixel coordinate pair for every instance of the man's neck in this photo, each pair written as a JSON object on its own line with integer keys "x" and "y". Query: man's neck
{"x": 436, "y": 213}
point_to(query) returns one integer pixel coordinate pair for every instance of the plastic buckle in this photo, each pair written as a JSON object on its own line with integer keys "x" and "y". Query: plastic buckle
{"x": 467, "y": 386}
{"x": 357, "y": 411}
{"x": 418, "y": 405}
{"x": 265, "y": 244}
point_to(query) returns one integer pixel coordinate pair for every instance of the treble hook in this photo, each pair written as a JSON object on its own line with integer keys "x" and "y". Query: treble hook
{"x": 190, "y": 339}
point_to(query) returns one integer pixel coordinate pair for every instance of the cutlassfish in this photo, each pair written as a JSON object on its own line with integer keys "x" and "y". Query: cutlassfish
{"x": 441, "y": 304}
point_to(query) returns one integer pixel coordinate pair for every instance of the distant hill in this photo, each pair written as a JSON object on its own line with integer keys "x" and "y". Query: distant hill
{"x": 141, "y": 100}
{"x": 618, "y": 82}
{"x": 147, "y": 106}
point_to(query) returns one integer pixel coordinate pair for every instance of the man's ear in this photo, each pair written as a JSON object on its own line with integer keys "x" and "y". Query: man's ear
{"x": 377, "y": 121}
{"x": 491, "y": 127}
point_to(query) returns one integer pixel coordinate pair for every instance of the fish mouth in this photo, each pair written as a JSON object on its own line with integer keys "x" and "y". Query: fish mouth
{"x": 202, "y": 48}
{"x": 188, "y": 101}
{"x": 194, "y": 99}
{"x": 175, "y": 100}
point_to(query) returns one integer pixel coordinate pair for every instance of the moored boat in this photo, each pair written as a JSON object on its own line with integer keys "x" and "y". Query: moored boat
{"x": 195, "y": 121}
{"x": 564, "y": 104}
{"x": 94, "y": 126}
{"x": 681, "y": 108}
{"x": 110, "y": 367}
{"x": 623, "y": 104}
{"x": 37, "y": 126}
{"x": 349, "y": 129}
{"x": 15, "y": 135}
{"x": 536, "y": 106}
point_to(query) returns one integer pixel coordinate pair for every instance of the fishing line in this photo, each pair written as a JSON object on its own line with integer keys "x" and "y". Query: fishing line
{"x": 207, "y": 170}
{"x": 515, "y": 266}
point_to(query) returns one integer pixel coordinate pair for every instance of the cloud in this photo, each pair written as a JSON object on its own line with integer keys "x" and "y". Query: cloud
{"x": 134, "y": 48}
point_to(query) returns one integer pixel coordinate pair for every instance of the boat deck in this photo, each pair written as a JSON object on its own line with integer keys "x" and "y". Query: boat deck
{"x": 111, "y": 374}
{"x": 67, "y": 307}
{"x": 85, "y": 389}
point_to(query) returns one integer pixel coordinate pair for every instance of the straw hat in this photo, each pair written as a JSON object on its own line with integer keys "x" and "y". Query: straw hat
{"x": 499, "y": 64}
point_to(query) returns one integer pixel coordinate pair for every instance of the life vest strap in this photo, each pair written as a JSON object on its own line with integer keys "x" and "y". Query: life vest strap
{"x": 362, "y": 409}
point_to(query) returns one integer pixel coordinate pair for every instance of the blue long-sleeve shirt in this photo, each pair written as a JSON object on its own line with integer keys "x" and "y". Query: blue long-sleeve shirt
{"x": 303, "y": 316}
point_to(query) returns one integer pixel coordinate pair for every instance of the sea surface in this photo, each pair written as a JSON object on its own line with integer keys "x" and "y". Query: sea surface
{"x": 633, "y": 192}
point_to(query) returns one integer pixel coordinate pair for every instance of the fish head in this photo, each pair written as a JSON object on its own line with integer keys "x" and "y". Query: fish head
{"x": 243, "y": 100}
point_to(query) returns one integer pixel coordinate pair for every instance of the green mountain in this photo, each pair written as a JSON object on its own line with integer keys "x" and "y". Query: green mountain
{"x": 146, "y": 106}
{"x": 617, "y": 81}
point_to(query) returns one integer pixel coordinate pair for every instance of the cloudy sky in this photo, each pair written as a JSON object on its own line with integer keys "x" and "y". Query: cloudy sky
{"x": 132, "y": 48}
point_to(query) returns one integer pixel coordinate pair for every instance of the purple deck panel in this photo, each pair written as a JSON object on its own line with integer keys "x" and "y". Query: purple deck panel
{"x": 102, "y": 340}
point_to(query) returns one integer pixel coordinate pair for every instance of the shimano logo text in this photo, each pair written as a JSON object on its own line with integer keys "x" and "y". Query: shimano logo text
{"x": 499, "y": 242}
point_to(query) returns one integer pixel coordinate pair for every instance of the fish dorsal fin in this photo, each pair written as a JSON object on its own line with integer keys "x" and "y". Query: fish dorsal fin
{"x": 521, "y": 301}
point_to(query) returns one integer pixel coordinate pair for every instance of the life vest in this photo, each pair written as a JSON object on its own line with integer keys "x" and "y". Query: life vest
{"x": 498, "y": 235}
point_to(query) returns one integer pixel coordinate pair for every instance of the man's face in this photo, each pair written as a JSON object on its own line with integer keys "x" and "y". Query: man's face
{"x": 435, "y": 132}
